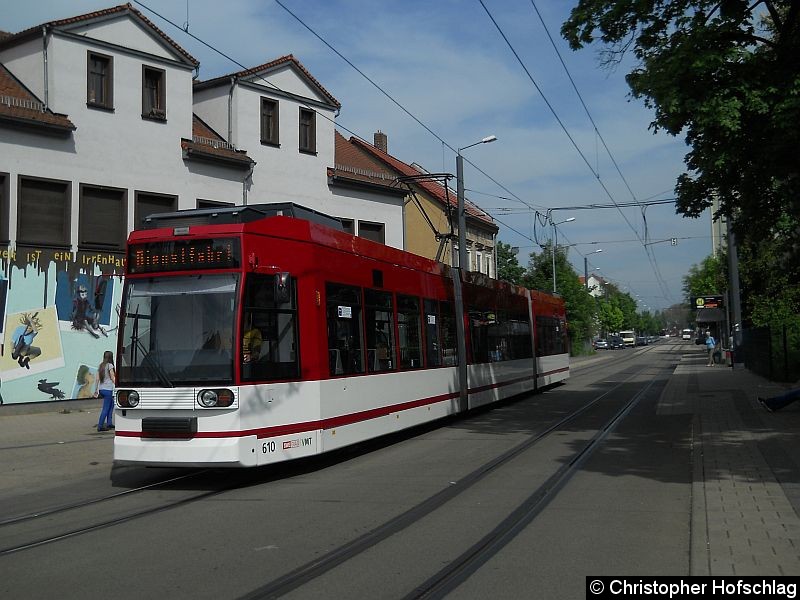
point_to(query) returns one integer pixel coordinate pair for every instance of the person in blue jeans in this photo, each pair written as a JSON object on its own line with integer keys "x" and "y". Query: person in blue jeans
{"x": 106, "y": 376}
{"x": 711, "y": 345}
{"x": 778, "y": 402}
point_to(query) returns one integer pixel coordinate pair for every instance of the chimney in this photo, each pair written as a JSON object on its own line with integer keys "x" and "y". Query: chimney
{"x": 381, "y": 141}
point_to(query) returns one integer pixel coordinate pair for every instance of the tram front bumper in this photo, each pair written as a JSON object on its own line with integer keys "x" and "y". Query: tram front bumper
{"x": 131, "y": 449}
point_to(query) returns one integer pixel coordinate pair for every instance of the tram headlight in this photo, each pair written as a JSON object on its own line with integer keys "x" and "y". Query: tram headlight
{"x": 128, "y": 398}
{"x": 219, "y": 398}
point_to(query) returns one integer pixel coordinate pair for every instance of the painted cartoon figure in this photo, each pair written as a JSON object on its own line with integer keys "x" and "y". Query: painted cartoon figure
{"x": 49, "y": 387}
{"x": 24, "y": 350}
{"x": 84, "y": 316}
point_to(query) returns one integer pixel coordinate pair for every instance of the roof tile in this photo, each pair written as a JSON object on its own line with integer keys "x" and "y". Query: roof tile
{"x": 19, "y": 104}
{"x": 10, "y": 39}
{"x": 207, "y": 143}
{"x": 289, "y": 58}
{"x": 434, "y": 189}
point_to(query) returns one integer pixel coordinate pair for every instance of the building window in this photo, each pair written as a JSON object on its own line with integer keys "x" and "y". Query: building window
{"x": 372, "y": 231}
{"x": 269, "y": 122}
{"x": 5, "y": 201}
{"x": 308, "y": 134}
{"x": 102, "y": 218}
{"x": 154, "y": 102}
{"x": 147, "y": 203}
{"x": 99, "y": 80}
{"x": 43, "y": 212}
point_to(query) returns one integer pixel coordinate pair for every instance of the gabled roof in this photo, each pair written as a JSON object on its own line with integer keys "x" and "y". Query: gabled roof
{"x": 254, "y": 72}
{"x": 21, "y": 108}
{"x": 207, "y": 145}
{"x": 96, "y": 16}
{"x": 433, "y": 189}
{"x": 353, "y": 164}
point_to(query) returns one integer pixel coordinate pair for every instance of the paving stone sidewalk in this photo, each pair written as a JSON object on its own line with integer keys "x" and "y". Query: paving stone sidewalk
{"x": 746, "y": 463}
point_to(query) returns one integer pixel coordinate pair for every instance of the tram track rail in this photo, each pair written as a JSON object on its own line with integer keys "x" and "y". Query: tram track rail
{"x": 464, "y": 565}
{"x": 298, "y": 577}
{"x": 68, "y": 531}
{"x": 91, "y": 501}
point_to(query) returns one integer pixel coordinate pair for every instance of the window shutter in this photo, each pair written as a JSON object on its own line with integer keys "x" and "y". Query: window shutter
{"x": 102, "y": 218}
{"x": 44, "y": 212}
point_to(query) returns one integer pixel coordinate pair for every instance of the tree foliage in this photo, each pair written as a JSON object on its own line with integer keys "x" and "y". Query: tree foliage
{"x": 707, "y": 278}
{"x": 508, "y": 267}
{"x": 579, "y": 304}
{"x": 726, "y": 74}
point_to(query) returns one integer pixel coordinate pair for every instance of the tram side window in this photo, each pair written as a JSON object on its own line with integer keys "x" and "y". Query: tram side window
{"x": 433, "y": 357}
{"x": 500, "y": 347}
{"x": 518, "y": 332}
{"x": 520, "y": 337}
{"x": 479, "y": 323}
{"x": 408, "y": 332}
{"x": 379, "y": 317}
{"x": 345, "y": 354}
{"x": 551, "y": 336}
{"x": 269, "y": 329}
{"x": 499, "y": 336}
{"x": 448, "y": 334}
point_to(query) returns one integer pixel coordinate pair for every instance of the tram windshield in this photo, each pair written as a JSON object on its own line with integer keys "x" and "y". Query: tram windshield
{"x": 178, "y": 330}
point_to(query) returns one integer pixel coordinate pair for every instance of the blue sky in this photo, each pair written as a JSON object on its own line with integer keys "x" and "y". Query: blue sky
{"x": 446, "y": 63}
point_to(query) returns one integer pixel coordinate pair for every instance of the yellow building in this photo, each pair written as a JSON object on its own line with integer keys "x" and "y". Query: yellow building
{"x": 430, "y": 206}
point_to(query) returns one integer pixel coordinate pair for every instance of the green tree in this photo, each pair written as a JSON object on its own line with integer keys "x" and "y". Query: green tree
{"x": 726, "y": 74}
{"x": 709, "y": 277}
{"x": 609, "y": 316}
{"x": 579, "y": 304}
{"x": 508, "y": 267}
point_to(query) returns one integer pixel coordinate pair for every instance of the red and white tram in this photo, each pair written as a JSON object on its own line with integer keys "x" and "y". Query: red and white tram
{"x": 249, "y": 337}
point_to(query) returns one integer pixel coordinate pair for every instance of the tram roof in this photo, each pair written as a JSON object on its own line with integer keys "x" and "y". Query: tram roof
{"x": 238, "y": 214}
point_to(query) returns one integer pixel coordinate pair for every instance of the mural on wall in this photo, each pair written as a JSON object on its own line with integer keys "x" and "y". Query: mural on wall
{"x": 85, "y": 302}
{"x": 35, "y": 343}
{"x": 53, "y": 336}
{"x": 3, "y": 296}
{"x": 85, "y": 382}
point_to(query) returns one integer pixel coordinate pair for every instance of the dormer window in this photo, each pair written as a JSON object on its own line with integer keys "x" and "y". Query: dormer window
{"x": 99, "y": 81}
{"x": 154, "y": 103}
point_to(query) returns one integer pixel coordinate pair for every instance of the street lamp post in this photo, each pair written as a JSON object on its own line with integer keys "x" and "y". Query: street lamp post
{"x": 555, "y": 245}
{"x": 586, "y": 268}
{"x": 462, "y": 215}
{"x": 461, "y": 334}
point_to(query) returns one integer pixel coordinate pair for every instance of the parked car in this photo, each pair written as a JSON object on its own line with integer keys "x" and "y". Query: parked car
{"x": 601, "y": 344}
{"x": 615, "y": 342}
{"x": 641, "y": 340}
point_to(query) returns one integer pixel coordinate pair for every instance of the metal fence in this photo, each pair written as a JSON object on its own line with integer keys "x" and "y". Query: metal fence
{"x": 773, "y": 352}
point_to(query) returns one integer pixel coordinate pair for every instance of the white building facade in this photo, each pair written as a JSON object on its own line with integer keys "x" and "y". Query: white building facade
{"x": 100, "y": 125}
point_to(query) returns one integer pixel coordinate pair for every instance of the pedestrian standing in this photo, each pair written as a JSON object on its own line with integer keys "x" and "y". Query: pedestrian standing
{"x": 711, "y": 345}
{"x": 106, "y": 375}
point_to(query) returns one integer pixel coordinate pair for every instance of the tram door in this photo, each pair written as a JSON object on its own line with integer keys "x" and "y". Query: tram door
{"x": 345, "y": 329}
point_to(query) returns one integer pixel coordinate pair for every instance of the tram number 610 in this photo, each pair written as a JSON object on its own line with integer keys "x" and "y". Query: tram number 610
{"x": 267, "y": 447}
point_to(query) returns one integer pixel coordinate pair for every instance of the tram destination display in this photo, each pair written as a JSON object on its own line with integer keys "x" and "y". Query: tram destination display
{"x": 184, "y": 255}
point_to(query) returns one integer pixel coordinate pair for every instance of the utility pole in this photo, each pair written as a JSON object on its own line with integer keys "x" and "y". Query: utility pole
{"x": 735, "y": 299}
{"x": 458, "y": 278}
